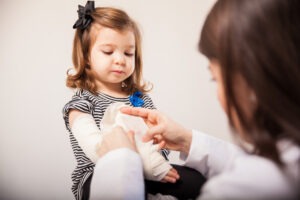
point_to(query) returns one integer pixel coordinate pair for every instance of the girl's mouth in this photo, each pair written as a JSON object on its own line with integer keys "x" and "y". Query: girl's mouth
{"x": 117, "y": 71}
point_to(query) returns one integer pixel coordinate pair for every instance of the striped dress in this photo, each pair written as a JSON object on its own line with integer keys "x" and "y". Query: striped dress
{"x": 95, "y": 105}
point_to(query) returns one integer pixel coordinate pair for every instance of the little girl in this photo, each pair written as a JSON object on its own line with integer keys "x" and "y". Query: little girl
{"x": 108, "y": 68}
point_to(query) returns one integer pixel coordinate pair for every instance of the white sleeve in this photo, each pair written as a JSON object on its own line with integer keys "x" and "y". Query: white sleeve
{"x": 209, "y": 155}
{"x": 118, "y": 175}
{"x": 87, "y": 134}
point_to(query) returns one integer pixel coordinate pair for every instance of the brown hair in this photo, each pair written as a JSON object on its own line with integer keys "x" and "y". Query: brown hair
{"x": 111, "y": 18}
{"x": 259, "y": 40}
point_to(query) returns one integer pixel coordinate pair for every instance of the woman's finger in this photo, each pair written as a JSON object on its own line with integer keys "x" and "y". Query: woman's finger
{"x": 150, "y": 116}
{"x": 161, "y": 145}
{"x": 155, "y": 130}
{"x": 140, "y": 112}
{"x": 158, "y": 138}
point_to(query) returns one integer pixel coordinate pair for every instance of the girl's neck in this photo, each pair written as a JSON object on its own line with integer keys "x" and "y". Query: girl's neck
{"x": 112, "y": 89}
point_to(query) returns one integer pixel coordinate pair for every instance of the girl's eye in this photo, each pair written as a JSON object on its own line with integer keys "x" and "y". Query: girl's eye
{"x": 107, "y": 52}
{"x": 129, "y": 54}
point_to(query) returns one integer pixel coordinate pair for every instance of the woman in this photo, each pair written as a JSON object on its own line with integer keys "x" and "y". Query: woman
{"x": 253, "y": 48}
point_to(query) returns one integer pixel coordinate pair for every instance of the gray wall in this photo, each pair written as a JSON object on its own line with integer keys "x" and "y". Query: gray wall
{"x": 36, "y": 36}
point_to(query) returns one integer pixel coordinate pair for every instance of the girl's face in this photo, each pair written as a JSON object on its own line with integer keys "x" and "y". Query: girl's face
{"x": 112, "y": 57}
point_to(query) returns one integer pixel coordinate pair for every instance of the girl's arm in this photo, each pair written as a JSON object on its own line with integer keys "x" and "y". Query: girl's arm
{"x": 86, "y": 132}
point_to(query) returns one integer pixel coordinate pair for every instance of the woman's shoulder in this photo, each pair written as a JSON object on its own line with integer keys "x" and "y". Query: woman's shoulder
{"x": 290, "y": 156}
{"x": 289, "y": 151}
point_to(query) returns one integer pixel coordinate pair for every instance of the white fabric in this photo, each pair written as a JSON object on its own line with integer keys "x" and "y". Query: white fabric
{"x": 113, "y": 177}
{"x": 231, "y": 173}
{"x": 155, "y": 166}
{"x": 87, "y": 134}
{"x": 160, "y": 196}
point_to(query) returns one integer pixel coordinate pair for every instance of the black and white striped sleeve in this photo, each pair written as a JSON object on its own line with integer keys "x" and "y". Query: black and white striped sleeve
{"x": 148, "y": 103}
{"x": 82, "y": 105}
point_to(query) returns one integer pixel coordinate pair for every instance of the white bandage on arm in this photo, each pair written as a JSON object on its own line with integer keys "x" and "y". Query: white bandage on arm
{"x": 154, "y": 164}
{"x": 87, "y": 134}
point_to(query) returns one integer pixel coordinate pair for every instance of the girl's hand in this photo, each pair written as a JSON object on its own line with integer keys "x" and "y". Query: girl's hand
{"x": 162, "y": 130}
{"x": 171, "y": 177}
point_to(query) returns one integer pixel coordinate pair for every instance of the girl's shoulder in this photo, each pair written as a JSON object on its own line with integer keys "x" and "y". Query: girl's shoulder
{"x": 139, "y": 99}
{"x": 145, "y": 96}
{"x": 148, "y": 102}
{"x": 83, "y": 94}
{"x": 81, "y": 100}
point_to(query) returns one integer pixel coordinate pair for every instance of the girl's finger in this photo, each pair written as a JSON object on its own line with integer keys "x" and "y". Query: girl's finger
{"x": 173, "y": 173}
{"x": 169, "y": 179}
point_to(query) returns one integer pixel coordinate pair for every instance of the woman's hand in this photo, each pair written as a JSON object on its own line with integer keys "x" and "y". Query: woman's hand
{"x": 162, "y": 129}
{"x": 115, "y": 139}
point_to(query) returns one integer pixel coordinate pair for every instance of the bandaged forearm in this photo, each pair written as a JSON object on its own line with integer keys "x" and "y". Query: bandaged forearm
{"x": 154, "y": 165}
{"x": 87, "y": 134}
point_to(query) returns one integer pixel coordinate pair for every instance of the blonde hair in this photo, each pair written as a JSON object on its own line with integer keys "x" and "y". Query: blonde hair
{"x": 84, "y": 77}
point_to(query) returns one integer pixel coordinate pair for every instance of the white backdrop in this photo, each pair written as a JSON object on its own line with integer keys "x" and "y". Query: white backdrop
{"x": 36, "y": 36}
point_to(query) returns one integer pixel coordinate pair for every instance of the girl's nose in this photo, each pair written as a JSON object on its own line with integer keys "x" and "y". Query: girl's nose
{"x": 120, "y": 59}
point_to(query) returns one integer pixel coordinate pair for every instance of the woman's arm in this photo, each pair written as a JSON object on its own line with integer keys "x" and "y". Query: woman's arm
{"x": 118, "y": 175}
{"x": 209, "y": 155}
{"x": 119, "y": 167}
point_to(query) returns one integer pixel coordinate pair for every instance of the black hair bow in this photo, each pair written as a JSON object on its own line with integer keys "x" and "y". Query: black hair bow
{"x": 84, "y": 15}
